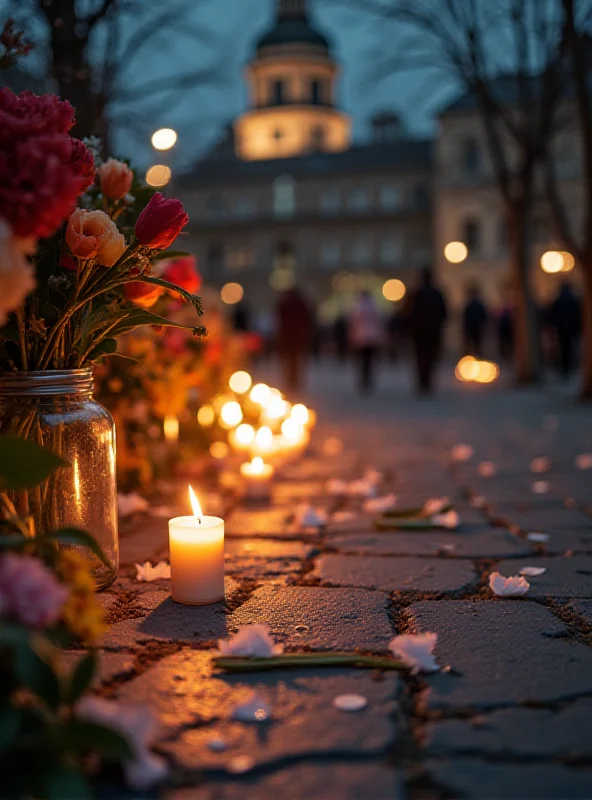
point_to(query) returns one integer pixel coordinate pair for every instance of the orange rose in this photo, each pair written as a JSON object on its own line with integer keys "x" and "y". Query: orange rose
{"x": 92, "y": 234}
{"x": 115, "y": 178}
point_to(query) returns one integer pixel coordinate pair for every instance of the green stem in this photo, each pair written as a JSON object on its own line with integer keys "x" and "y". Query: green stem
{"x": 296, "y": 660}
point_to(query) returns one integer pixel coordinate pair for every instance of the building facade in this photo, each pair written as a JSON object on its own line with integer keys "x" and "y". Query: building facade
{"x": 286, "y": 197}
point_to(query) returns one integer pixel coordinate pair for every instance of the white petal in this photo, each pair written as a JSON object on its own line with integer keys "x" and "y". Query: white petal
{"x": 250, "y": 641}
{"x": 416, "y": 650}
{"x": 532, "y": 572}
{"x": 350, "y": 702}
{"x": 255, "y": 709}
{"x": 377, "y": 505}
{"x": 449, "y": 519}
{"x": 514, "y": 586}
{"x": 128, "y": 504}
{"x": 538, "y": 537}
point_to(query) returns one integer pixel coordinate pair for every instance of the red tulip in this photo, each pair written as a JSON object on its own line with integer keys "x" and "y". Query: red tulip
{"x": 160, "y": 222}
{"x": 142, "y": 294}
{"x": 183, "y": 273}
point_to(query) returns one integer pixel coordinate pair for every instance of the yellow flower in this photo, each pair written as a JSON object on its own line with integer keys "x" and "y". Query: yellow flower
{"x": 81, "y": 613}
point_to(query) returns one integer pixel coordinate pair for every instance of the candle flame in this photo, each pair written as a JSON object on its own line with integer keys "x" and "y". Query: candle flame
{"x": 195, "y": 506}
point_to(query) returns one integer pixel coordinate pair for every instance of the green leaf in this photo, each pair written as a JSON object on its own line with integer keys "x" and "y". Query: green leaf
{"x": 10, "y": 725}
{"x": 38, "y": 675}
{"x": 165, "y": 255}
{"x": 63, "y": 782}
{"x": 137, "y": 317}
{"x": 82, "y": 676}
{"x": 105, "y": 348}
{"x": 84, "y": 736}
{"x": 24, "y": 464}
{"x": 75, "y": 536}
{"x": 194, "y": 299}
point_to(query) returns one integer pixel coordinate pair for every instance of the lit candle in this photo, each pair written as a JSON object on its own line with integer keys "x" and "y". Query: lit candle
{"x": 263, "y": 442}
{"x": 257, "y": 476}
{"x": 171, "y": 429}
{"x": 197, "y": 557}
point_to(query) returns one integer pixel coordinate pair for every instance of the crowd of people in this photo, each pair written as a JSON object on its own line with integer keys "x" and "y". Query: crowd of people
{"x": 416, "y": 327}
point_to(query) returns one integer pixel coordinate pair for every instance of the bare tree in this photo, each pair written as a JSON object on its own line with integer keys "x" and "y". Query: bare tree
{"x": 508, "y": 56}
{"x": 578, "y": 14}
{"x": 91, "y": 48}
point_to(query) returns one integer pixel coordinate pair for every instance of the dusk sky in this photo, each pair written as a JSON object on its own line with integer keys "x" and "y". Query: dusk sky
{"x": 235, "y": 26}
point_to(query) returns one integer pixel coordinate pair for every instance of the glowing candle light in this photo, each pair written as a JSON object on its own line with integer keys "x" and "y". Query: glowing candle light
{"x": 263, "y": 441}
{"x": 231, "y": 414}
{"x": 171, "y": 429}
{"x": 197, "y": 557}
{"x": 240, "y": 382}
{"x": 300, "y": 413}
{"x": 259, "y": 393}
{"x": 242, "y": 437}
{"x": 257, "y": 476}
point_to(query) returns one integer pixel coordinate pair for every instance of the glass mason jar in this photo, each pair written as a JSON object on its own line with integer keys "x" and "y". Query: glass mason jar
{"x": 55, "y": 408}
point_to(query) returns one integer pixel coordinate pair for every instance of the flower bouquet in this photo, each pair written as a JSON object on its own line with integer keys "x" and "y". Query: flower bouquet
{"x": 80, "y": 245}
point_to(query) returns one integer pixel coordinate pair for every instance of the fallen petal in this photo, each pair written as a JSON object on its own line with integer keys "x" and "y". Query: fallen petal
{"x": 255, "y": 709}
{"x": 532, "y": 572}
{"x": 449, "y": 519}
{"x": 508, "y": 587}
{"x": 250, "y": 641}
{"x": 350, "y": 702}
{"x": 146, "y": 572}
{"x": 377, "y": 505}
{"x": 538, "y": 537}
{"x": 478, "y": 501}
{"x": 434, "y": 505}
{"x": 416, "y": 650}
{"x": 128, "y": 504}
{"x": 240, "y": 764}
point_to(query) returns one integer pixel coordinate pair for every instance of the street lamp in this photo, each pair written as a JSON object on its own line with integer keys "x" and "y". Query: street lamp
{"x": 164, "y": 139}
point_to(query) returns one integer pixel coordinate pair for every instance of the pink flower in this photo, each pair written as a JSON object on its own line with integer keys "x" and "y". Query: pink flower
{"x": 29, "y": 592}
{"x": 92, "y": 234}
{"x": 115, "y": 178}
{"x": 139, "y": 727}
{"x": 17, "y": 277}
{"x": 160, "y": 222}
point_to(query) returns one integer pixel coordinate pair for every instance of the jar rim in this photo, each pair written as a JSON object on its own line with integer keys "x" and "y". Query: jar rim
{"x": 46, "y": 382}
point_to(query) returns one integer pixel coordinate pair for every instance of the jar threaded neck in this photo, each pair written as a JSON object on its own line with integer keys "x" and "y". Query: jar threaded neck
{"x": 78, "y": 382}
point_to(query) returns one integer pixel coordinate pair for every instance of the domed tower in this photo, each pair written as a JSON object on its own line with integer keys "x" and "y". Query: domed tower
{"x": 292, "y": 82}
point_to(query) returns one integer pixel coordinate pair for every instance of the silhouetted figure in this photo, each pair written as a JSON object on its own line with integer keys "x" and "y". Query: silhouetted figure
{"x": 241, "y": 317}
{"x": 505, "y": 333}
{"x": 564, "y": 316}
{"x": 294, "y": 331}
{"x": 366, "y": 334}
{"x": 474, "y": 322}
{"x": 340, "y": 336}
{"x": 426, "y": 314}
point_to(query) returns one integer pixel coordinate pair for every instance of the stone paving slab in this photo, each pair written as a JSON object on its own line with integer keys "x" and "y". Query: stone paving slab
{"x": 196, "y": 704}
{"x": 565, "y": 577}
{"x": 328, "y": 780}
{"x": 492, "y": 543}
{"x": 266, "y": 521}
{"x": 396, "y": 574}
{"x": 518, "y": 733}
{"x": 480, "y": 780}
{"x": 548, "y": 520}
{"x": 507, "y": 652}
{"x": 111, "y": 665}
{"x": 318, "y": 618}
{"x": 292, "y": 493}
{"x": 261, "y": 559}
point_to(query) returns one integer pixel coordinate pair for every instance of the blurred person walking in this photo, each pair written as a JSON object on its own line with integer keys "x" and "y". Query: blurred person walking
{"x": 366, "y": 335}
{"x": 564, "y": 316}
{"x": 474, "y": 322}
{"x": 295, "y": 326}
{"x": 426, "y": 313}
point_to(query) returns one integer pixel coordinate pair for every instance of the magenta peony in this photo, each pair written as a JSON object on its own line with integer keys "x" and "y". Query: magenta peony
{"x": 42, "y": 168}
{"x": 30, "y": 592}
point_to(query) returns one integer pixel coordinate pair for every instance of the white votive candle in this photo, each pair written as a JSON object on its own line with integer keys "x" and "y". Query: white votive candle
{"x": 197, "y": 558}
{"x": 257, "y": 477}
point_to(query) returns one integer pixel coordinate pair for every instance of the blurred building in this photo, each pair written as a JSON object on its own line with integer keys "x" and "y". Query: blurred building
{"x": 469, "y": 210}
{"x": 286, "y": 196}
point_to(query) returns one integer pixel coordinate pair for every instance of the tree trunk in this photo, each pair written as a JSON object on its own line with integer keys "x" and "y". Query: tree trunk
{"x": 526, "y": 327}
{"x": 586, "y": 389}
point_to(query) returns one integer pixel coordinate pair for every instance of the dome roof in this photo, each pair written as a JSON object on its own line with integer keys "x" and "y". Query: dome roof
{"x": 292, "y": 30}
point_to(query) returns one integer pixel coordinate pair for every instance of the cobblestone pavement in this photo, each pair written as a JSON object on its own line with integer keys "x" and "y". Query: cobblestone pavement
{"x": 510, "y": 718}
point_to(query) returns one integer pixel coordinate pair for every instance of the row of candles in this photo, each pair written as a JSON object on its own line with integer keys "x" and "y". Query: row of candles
{"x": 279, "y": 432}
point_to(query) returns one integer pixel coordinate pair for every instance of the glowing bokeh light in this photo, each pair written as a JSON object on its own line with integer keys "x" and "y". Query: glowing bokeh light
{"x": 332, "y": 446}
{"x": 206, "y": 416}
{"x": 231, "y": 414}
{"x": 164, "y": 139}
{"x": 171, "y": 429}
{"x": 394, "y": 290}
{"x": 232, "y": 293}
{"x": 569, "y": 261}
{"x": 300, "y": 414}
{"x": 263, "y": 438}
{"x": 245, "y": 434}
{"x": 456, "y": 252}
{"x": 158, "y": 175}
{"x": 292, "y": 430}
{"x": 240, "y": 382}
{"x": 552, "y": 261}
{"x": 467, "y": 369}
{"x": 259, "y": 393}
{"x": 276, "y": 407}
{"x": 218, "y": 449}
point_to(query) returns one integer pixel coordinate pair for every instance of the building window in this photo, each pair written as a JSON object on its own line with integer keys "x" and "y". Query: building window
{"x": 361, "y": 251}
{"x": 390, "y": 197}
{"x": 330, "y": 252}
{"x": 315, "y": 93}
{"x": 215, "y": 256}
{"x": 471, "y": 157}
{"x": 215, "y": 207}
{"x": 472, "y": 235}
{"x": 238, "y": 258}
{"x": 284, "y": 196}
{"x": 391, "y": 250}
{"x": 330, "y": 201}
{"x": 278, "y": 93}
{"x": 317, "y": 137}
{"x": 244, "y": 207}
{"x": 358, "y": 200}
